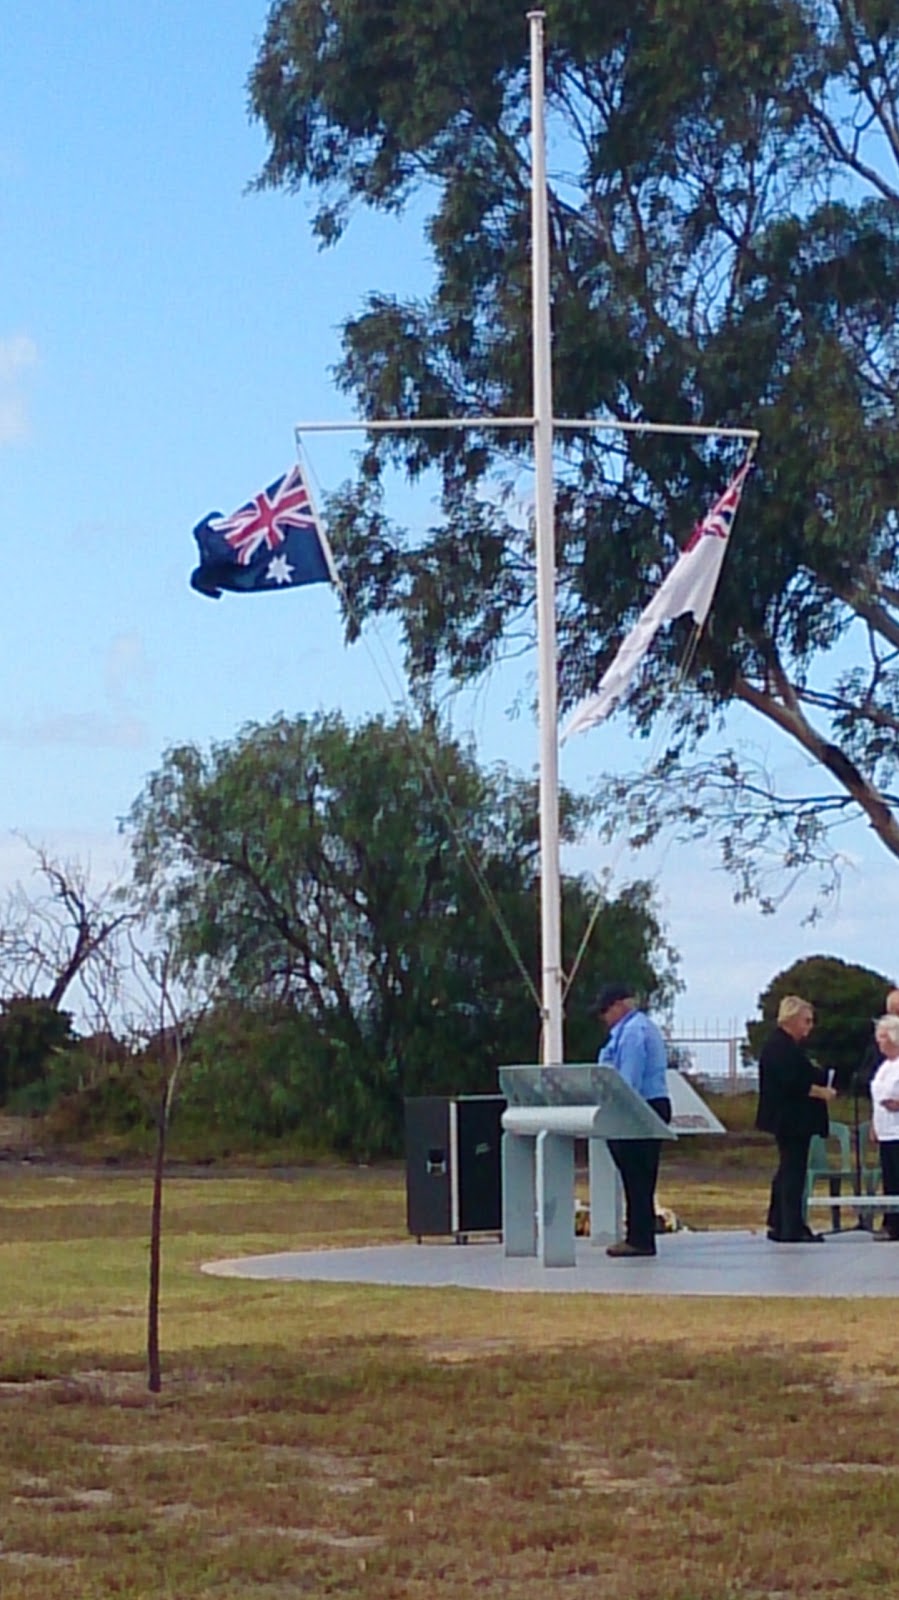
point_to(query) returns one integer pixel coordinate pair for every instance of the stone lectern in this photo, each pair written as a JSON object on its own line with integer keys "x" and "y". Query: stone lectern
{"x": 548, "y": 1108}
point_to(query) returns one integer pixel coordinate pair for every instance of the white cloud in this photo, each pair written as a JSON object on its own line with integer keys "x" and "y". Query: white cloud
{"x": 117, "y": 727}
{"x": 126, "y": 665}
{"x": 13, "y": 421}
{"x": 18, "y": 353}
{"x": 15, "y": 353}
{"x": 96, "y": 730}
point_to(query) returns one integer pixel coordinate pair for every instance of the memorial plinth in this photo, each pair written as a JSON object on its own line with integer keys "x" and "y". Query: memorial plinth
{"x": 548, "y": 1109}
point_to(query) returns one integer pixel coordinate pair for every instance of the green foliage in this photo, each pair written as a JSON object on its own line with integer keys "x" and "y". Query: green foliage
{"x": 253, "y": 1071}
{"x": 61, "y": 1079}
{"x": 366, "y": 895}
{"x": 847, "y": 998}
{"x": 332, "y": 1413}
{"x": 115, "y": 1103}
{"x": 725, "y": 250}
{"x": 33, "y": 1034}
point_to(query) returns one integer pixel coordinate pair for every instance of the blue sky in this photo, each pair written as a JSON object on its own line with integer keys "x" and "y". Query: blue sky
{"x": 161, "y": 330}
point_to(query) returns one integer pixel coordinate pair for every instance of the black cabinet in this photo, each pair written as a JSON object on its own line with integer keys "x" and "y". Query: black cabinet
{"x": 453, "y": 1183}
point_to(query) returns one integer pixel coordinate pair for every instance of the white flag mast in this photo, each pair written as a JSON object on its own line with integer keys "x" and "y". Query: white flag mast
{"x": 551, "y": 1048}
{"x": 543, "y": 425}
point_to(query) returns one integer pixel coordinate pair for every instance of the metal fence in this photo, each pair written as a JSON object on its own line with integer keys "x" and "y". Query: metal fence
{"x": 718, "y": 1062}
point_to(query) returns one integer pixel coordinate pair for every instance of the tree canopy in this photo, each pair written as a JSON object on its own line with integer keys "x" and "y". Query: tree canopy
{"x": 724, "y": 207}
{"x": 846, "y": 997}
{"x": 379, "y": 883}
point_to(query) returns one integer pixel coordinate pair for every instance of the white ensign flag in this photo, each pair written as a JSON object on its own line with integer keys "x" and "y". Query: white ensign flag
{"x": 689, "y": 586}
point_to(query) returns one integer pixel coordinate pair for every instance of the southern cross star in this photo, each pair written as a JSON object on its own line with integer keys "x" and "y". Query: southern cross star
{"x": 279, "y": 570}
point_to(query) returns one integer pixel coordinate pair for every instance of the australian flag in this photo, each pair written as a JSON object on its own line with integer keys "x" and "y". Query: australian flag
{"x": 273, "y": 542}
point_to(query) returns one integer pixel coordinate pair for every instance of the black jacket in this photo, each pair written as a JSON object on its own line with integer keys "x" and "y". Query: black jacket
{"x": 785, "y": 1076}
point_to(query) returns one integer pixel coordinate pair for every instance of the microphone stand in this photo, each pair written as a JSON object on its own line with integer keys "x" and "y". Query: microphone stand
{"x": 863, "y": 1221}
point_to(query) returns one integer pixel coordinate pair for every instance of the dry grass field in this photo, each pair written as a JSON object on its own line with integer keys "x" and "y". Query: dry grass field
{"x": 319, "y": 1440}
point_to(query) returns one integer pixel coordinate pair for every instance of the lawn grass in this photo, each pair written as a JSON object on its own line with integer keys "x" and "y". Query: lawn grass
{"x": 323, "y": 1439}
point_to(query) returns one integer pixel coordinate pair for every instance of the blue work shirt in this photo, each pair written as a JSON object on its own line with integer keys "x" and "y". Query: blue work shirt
{"x": 636, "y": 1049}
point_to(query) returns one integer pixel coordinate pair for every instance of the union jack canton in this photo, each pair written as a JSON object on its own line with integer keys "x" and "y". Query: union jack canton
{"x": 719, "y": 521}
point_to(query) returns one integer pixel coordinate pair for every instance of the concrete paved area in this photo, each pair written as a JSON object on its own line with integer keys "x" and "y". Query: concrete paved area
{"x": 849, "y": 1264}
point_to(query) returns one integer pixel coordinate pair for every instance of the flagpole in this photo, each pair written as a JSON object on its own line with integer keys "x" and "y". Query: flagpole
{"x": 550, "y": 877}
{"x": 542, "y": 424}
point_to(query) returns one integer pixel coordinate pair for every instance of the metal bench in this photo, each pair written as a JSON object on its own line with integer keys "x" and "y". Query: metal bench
{"x": 858, "y": 1202}
{"x": 834, "y": 1160}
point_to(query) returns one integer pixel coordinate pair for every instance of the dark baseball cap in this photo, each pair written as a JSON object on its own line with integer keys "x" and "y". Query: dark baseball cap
{"x": 610, "y": 994}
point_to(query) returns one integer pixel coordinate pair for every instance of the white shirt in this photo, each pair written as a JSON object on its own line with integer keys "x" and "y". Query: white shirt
{"x": 885, "y": 1086}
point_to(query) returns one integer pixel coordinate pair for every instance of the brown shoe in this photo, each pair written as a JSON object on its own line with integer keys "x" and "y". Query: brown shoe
{"x": 625, "y": 1249}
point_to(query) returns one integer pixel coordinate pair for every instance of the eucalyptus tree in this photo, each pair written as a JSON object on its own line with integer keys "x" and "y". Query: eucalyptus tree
{"x": 724, "y": 211}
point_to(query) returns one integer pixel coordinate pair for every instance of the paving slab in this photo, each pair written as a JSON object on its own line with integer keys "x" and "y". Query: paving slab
{"x": 850, "y": 1265}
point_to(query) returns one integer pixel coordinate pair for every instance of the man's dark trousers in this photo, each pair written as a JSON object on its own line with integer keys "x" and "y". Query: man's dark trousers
{"x": 785, "y": 1212}
{"x": 637, "y": 1161}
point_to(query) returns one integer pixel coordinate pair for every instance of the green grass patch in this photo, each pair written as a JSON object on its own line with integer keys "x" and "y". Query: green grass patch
{"x": 326, "y": 1439}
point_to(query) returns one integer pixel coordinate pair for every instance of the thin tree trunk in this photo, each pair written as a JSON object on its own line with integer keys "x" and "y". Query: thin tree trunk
{"x": 154, "y": 1368}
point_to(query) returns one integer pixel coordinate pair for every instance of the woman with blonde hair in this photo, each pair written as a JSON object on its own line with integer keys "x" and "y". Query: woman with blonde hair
{"x": 793, "y": 1098}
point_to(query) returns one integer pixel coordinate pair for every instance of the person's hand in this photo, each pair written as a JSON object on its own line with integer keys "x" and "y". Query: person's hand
{"x": 891, "y": 1105}
{"x": 829, "y": 1093}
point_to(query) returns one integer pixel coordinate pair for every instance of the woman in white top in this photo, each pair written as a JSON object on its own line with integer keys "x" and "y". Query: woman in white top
{"x": 885, "y": 1106}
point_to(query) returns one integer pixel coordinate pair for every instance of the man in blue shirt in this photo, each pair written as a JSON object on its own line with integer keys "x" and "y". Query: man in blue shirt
{"x": 636, "y": 1049}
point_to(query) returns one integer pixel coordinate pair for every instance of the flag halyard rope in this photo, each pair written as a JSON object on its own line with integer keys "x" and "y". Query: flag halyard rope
{"x": 428, "y": 769}
{"x": 751, "y": 435}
